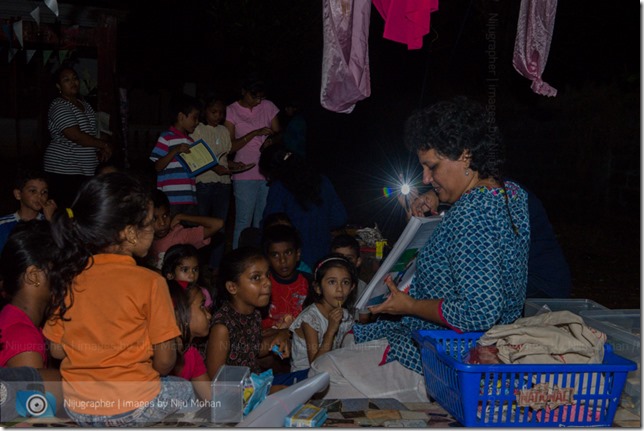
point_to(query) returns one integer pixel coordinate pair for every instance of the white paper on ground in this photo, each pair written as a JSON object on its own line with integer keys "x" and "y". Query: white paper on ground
{"x": 272, "y": 411}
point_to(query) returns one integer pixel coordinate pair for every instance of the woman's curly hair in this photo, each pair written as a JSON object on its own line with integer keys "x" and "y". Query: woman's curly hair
{"x": 453, "y": 126}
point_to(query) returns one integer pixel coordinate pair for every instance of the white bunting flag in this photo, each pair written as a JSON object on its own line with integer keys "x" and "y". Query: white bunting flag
{"x": 35, "y": 14}
{"x": 53, "y": 5}
{"x": 17, "y": 30}
{"x": 12, "y": 53}
{"x": 30, "y": 54}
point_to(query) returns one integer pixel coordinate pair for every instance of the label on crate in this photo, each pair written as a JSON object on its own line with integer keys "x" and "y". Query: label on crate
{"x": 543, "y": 395}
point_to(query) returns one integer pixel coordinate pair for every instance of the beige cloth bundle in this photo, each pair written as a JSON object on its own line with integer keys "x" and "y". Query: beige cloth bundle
{"x": 550, "y": 338}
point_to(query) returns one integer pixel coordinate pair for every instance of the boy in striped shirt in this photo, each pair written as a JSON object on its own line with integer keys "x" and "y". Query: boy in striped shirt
{"x": 172, "y": 178}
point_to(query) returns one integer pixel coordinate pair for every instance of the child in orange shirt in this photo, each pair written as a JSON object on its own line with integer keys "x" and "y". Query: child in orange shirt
{"x": 114, "y": 326}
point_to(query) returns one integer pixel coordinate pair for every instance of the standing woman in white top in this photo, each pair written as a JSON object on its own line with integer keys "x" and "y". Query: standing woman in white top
{"x": 74, "y": 150}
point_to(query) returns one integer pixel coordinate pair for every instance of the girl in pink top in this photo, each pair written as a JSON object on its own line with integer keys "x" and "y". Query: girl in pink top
{"x": 193, "y": 319}
{"x": 250, "y": 120}
{"x": 26, "y": 267}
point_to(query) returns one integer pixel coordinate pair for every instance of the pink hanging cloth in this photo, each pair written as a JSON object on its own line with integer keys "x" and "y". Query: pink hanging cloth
{"x": 406, "y": 21}
{"x": 532, "y": 44}
{"x": 345, "y": 55}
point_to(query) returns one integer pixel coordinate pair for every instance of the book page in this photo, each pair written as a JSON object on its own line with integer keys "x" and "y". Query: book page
{"x": 400, "y": 264}
{"x": 199, "y": 158}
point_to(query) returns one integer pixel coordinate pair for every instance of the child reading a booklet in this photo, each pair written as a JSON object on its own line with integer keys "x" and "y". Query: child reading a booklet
{"x": 172, "y": 177}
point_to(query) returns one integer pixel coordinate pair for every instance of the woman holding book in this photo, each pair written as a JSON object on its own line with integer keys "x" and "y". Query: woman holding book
{"x": 472, "y": 272}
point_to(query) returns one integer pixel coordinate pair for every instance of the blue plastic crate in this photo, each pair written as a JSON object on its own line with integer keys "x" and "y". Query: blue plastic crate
{"x": 496, "y": 395}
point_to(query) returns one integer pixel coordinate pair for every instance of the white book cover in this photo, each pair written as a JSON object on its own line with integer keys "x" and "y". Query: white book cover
{"x": 400, "y": 263}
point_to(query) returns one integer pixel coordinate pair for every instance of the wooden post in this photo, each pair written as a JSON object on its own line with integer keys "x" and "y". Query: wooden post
{"x": 106, "y": 47}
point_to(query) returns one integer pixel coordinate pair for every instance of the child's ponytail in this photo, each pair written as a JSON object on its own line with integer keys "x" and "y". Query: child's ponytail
{"x": 104, "y": 206}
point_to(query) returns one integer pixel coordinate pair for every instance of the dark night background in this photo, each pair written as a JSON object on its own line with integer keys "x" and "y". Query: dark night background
{"x": 579, "y": 151}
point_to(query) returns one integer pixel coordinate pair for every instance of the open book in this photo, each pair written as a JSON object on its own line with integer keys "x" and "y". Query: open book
{"x": 401, "y": 261}
{"x": 199, "y": 159}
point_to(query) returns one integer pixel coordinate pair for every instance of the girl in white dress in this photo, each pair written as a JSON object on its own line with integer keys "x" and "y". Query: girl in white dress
{"x": 322, "y": 326}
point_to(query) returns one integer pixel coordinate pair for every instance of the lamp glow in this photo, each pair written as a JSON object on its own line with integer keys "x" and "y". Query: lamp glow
{"x": 405, "y": 189}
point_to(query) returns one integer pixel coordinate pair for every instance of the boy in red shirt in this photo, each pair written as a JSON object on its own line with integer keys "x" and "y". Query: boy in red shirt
{"x": 282, "y": 246}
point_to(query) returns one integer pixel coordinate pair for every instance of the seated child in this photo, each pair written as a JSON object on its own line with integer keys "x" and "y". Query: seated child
{"x": 282, "y": 246}
{"x": 322, "y": 325}
{"x": 32, "y": 192}
{"x": 236, "y": 333}
{"x": 349, "y": 247}
{"x": 193, "y": 319}
{"x": 283, "y": 219}
{"x": 169, "y": 231}
{"x": 181, "y": 264}
{"x": 26, "y": 266}
{"x": 113, "y": 326}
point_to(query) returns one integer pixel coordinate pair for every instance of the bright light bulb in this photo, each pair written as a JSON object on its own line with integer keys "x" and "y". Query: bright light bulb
{"x": 405, "y": 189}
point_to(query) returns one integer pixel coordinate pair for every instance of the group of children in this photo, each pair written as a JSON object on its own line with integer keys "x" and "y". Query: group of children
{"x": 131, "y": 333}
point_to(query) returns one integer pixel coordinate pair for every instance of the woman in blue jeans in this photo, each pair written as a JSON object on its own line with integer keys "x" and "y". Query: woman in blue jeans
{"x": 250, "y": 120}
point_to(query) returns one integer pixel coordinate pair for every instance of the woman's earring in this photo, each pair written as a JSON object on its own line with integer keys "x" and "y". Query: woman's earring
{"x": 467, "y": 172}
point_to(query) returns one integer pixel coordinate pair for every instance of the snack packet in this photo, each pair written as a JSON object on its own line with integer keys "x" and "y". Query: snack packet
{"x": 258, "y": 389}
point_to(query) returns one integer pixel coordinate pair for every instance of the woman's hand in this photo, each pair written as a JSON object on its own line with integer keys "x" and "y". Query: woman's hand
{"x": 396, "y": 303}
{"x": 425, "y": 203}
{"x": 263, "y": 131}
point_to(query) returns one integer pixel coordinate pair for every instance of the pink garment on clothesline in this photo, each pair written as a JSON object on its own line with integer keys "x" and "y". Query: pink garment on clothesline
{"x": 532, "y": 44}
{"x": 345, "y": 55}
{"x": 406, "y": 21}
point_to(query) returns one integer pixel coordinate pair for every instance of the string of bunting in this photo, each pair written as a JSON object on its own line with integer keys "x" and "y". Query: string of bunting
{"x": 16, "y": 28}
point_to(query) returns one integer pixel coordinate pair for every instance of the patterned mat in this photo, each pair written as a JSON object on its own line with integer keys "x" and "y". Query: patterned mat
{"x": 359, "y": 412}
{"x": 384, "y": 412}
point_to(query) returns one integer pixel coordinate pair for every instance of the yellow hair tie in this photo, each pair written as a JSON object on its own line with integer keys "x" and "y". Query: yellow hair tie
{"x": 70, "y": 213}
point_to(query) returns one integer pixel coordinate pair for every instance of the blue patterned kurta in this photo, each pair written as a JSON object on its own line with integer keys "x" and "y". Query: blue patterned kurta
{"x": 475, "y": 262}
